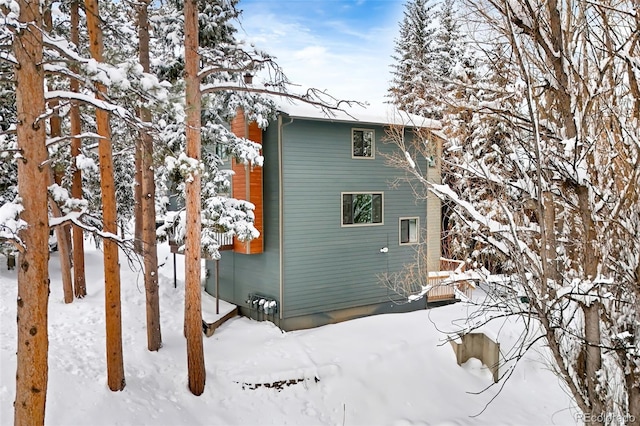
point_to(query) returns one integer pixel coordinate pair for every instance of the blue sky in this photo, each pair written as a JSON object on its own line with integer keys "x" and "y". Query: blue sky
{"x": 342, "y": 46}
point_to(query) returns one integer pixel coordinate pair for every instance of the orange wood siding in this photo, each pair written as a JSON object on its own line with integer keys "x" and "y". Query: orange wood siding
{"x": 247, "y": 184}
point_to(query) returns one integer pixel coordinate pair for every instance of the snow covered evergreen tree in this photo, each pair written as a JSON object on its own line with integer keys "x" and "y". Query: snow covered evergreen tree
{"x": 430, "y": 56}
{"x": 474, "y": 131}
{"x": 448, "y": 50}
{"x": 433, "y": 70}
{"x": 415, "y": 49}
{"x": 8, "y": 165}
{"x": 225, "y": 60}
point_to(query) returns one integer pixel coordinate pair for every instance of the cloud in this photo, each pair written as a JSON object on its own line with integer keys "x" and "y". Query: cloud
{"x": 349, "y": 56}
{"x": 312, "y": 56}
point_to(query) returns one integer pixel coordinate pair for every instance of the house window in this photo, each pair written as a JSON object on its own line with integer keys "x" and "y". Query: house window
{"x": 409, "y": 230}
{"x": 362, "y": 208}
{"x": 362, "y": 143}
{"x": 222, "y": 151}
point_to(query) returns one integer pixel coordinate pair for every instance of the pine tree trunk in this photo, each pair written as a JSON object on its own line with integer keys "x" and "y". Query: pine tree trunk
{"x": 149, "y": 242}
{"x": 79, "y": 280}
{"x": 61, "y": 234}
{"x": 138, "y": 224}
{"x": 55, "y": 126}
{"x": 63, "y": 252}
{"x": 138, "y": 230}
{"x": 58, "y": 177}
{"x": 115, "y": 364}
{"x": 33, "y": 272}
{"x": 193, "y": 308}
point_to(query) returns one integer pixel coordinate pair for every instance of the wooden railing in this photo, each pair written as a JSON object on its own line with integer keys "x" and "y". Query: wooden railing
{"x": 441, "y": 288}
{"x": 445, "y": 283}
{"x": 226, "y": 240}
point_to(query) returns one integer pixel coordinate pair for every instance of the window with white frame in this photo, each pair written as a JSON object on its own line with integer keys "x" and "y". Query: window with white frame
{"x": 362, "y": 143}
{"x": 409, "y": 230}
{"x": 362, "y": 208}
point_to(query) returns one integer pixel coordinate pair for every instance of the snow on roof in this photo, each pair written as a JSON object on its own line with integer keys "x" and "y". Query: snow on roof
{"x": 382, "y": 114}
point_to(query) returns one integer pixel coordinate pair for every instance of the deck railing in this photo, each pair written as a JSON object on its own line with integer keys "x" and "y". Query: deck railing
{"x": 449, "y": 279}
{"x": 225, "y": 239}
{"x": 441, "y": 287}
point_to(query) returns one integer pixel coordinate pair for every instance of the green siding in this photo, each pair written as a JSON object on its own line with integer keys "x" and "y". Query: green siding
{"x": 242, "y": 274}
{"x": 327, "y": 266}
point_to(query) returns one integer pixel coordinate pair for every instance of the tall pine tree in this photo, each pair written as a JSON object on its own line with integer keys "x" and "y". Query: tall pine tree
{"x": 415, "y": 50}
{"x": 33, "y": 272}
{"x": 430, "y": 58}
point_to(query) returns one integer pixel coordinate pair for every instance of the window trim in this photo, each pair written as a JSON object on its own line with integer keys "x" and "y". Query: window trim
{"x": 222, "y": 152}
{"x": 417, "y": 241}
{"x": 357, "y": 225}
{"x": 373, "y": 144}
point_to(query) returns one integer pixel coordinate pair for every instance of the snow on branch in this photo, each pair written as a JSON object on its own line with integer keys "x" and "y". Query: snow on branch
{"x": 60, "y": 139}
{"x": 242, "y": 62}
{"x": 10, "y": 222}
{"x": 186, "y": 166}
{"x": 243, "y": 150}
{"x": 10, "y": 14}
{"x": 64, "y": 200}
{"x": 92, "y": 101}
{"x": 315, "y": 97}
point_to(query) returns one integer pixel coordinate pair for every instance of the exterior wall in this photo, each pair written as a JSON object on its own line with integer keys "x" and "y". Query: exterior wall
{"x": 330, "y": 272}
{"x": 242, "y": 274}
{"x": 329, "y": 267}
{"x": 332, "y": 317}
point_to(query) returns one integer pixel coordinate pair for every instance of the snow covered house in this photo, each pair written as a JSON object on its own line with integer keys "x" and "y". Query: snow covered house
{"x": 331, "y": 220}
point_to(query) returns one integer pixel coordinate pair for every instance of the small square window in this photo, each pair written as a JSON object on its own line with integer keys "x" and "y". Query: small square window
{"x": 409, "y": 230}
{"x": 364, "y": 208}
{"x": 362, "y": 143}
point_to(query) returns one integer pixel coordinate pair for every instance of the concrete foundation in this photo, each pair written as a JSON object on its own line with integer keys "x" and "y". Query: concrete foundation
{"x": 478, "y": 345}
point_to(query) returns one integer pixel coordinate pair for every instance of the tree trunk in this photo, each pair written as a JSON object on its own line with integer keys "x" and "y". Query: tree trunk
{"x": 115, "y": 364}
{"x": 592, "y": 311}
{"x": 61, "y": 231}
{"x": 137, "y": 198}
{"x": 63, "y": 252}
{"x": 79, "y": 280}
{"x": 138, "y": 243}
{"x": 550, "y": 244}
{"x": 633, "y": 380}
{"x": 193, "y": 308}
{"x": 33, "y": 273}
{"x": 147, "y": 201}
{"x": 633, "y": 388}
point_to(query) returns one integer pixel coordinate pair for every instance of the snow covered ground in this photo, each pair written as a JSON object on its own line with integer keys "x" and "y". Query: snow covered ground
{"x": 382, "y": 370}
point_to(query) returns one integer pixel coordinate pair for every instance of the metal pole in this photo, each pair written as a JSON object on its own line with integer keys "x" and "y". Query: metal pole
{"x": 217, "y": 286}
{"x": 175, "y": 279}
